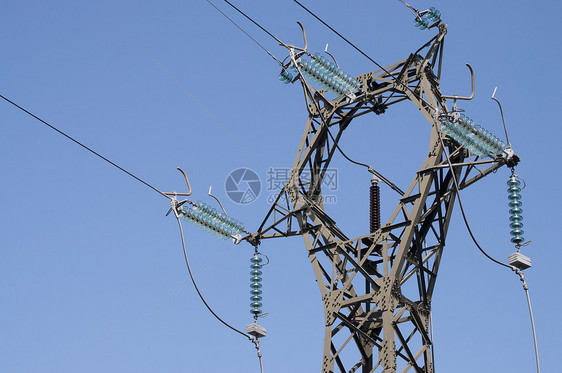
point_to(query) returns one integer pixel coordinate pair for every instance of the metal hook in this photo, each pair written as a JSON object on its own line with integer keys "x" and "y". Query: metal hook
{"x": 331, "y": 55}
{"x": 456, "y": 97}
{"x": 303, "y": 35}
{"x": 220, "y": 204}
{"x": 503, "y": 120}
{"x": 188, "y": 186}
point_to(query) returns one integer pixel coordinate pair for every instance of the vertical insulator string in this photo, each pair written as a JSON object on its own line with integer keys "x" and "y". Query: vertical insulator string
{"x": 515, "y": 211}
{"x": 375, "y": 206}
{"x": 255, "y": 285}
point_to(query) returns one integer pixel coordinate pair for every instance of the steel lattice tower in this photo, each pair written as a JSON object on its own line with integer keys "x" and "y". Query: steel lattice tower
{"x": 377, "y": 288}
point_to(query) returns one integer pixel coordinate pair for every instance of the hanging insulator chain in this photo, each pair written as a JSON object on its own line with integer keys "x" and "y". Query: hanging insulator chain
{"x": 374, "y": 205}
{"x": 515, "y": 211}
{"x": 255, "y": 285}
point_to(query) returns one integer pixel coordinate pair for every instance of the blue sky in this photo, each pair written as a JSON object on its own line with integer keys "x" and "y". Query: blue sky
{"x": 87, "y": 255}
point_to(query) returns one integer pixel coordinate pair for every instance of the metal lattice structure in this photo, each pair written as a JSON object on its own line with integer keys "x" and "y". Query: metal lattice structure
{"x": 377, "y": 288}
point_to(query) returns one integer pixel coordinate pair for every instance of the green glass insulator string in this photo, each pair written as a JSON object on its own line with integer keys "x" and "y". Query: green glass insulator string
{"x": 515, "y": 211}
{"x": 256, "y": 285}
{"x": 472, "y": 136}
{"x": 212, "y": 220}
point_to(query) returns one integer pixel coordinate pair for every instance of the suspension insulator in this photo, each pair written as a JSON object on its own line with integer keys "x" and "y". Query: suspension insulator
{"x": 430, "y": 16}
{"x": 472, "y": 136}
{"x": 329, "y": 76}
{"x": 515, "y": 210}
{"x": 255, "y": 285}
{"x": 374, "y": 206}
{"x": 211, "y": 220}
{"x": 421, "y": 22}
{"x": 285, "y": 76}
{"x": 433, "y": 14}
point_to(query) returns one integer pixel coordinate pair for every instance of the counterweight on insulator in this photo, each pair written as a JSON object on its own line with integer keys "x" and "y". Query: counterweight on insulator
{"x": 374, "y": 205}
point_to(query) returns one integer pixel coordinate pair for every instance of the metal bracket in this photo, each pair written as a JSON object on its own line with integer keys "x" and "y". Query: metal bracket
{"x": 175, "y": 203}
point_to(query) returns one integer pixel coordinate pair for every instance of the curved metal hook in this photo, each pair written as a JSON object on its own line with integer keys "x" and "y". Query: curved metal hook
{"x": 503, "y": 119}
{"x": 187, "y": 181}
{"x": 303, "y": 35}
{"x": 455, "y": 97}
{"x": 220, "y": 204}
{"x": 188, "y": 186}
{"x": 331, "y": 55}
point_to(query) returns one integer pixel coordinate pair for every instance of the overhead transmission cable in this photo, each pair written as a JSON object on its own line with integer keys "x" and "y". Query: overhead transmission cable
{"x": 354, "y": 46}
{"x": 244, "y": 31}
{"x": 410, "y": 8}
{"x": 84, "y": 146}
{"x": 516, "y": 270}
{"x": 457, "y": 189}
{"x": 195, "y": 283}
{"x": 255, "y": 341}
{"x": 341, "y": 36}
{"x": 255, "y": 23}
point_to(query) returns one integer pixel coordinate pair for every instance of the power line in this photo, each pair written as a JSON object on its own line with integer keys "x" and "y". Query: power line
{"x": 341, "y": 36}
{"x": 244, "y": 31}
{"x": 197, "y": 288}
{"x": 516, "y": 270}
{"x": 84, "y": 146}
{"x": 254, "y": 22}
{"x": 456, "y": 186}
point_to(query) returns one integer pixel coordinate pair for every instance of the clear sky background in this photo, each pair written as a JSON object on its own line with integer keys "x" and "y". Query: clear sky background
{"x": 88, "y": 260}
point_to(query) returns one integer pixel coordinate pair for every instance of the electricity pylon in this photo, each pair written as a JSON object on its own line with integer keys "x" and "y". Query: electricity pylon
{"x": 377, "y": 288}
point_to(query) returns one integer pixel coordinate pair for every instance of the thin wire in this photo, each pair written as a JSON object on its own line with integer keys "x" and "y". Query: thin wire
{"x": 533, "y": 326}
{"x": 254, "y": 22}
{"x": 378, "y": 174}
{"x": 462, "y": 209}
{"x": 516, "y": 270}
{"x": 84, "y": 146}
{"x": 356, "y": 48}
{"x": 248, "y": 35}
{"x": 503, "y": 119}
{"x": 341, "y": 36}
{"x": 410, "y": 8}
{"x": 197, "y": 288}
